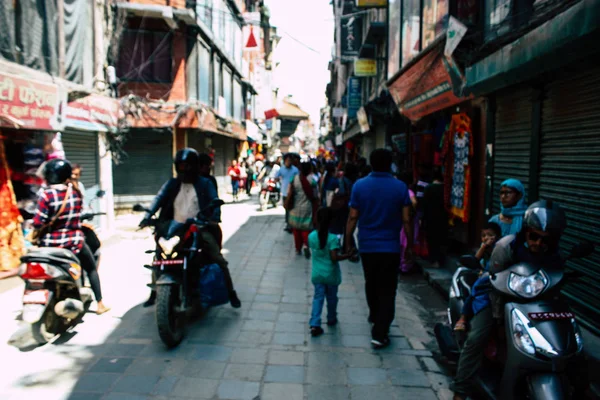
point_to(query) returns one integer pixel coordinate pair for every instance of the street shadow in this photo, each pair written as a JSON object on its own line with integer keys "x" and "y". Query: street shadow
{"x": 113, "y": 352}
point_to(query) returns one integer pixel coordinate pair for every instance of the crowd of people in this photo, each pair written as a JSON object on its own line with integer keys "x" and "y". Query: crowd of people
{"x": 398, "y": 215}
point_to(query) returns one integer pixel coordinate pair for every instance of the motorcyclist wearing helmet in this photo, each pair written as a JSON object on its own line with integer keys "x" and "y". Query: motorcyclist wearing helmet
{"x": 538, "y": 243}
{"x": 58, "y": 215}
{"x": 182, "y": 198}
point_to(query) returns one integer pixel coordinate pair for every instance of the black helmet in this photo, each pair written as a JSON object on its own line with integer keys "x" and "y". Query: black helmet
{"x": 546, "y": 216}
{"x": 57, "y": 171}
{"x": 188, "y": 157}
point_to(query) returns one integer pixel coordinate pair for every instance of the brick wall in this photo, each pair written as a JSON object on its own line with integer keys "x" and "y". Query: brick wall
{"x": 172, "y": 3}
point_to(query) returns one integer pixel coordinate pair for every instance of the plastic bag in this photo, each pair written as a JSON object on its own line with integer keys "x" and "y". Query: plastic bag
{"x": 213, "y": 291}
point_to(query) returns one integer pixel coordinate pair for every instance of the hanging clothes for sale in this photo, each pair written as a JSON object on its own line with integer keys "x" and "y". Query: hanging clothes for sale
{"x": 456, "y": 155}
{"x": 12, "y": 244}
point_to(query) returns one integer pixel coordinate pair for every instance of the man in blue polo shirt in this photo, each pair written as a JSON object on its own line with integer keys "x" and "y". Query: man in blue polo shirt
{"x": 380, "y": 205}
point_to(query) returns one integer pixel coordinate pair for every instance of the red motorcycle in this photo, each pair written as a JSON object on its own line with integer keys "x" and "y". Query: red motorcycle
{"x": 270, "y": 193}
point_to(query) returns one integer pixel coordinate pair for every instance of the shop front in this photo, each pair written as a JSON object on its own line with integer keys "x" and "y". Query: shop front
{"x": 29, "y": 120}
{"x": 546, "y": 113}
{"x": 446, "y": 132}
{"x": 87, "y": 122}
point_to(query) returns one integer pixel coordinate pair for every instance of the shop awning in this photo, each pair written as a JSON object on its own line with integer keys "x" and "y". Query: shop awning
{"x": 426, "y": 85}
{"x": 568, "y": 37}
{"x": 351, "y": 131}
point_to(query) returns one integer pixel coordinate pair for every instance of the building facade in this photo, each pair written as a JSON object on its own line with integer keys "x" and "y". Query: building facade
{"x": 507, "y": 86}
{"x": 179, "y": 65}
{"x": 55, "y": 99}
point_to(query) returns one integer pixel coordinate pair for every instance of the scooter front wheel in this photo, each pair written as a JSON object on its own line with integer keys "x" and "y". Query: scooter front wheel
{"x": 170, "y": 321}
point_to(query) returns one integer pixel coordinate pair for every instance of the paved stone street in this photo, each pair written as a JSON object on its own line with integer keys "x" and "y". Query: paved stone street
{"x": 261, "y": 351}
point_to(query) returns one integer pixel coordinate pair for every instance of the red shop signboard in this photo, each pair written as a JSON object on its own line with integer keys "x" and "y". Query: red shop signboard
{"x": 28, "y": 104}
{"x": 425, "y": 87}
{"x": 93, "y": 112}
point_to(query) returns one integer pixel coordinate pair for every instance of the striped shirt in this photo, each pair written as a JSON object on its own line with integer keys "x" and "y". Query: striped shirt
{"x": 66, "y": 231}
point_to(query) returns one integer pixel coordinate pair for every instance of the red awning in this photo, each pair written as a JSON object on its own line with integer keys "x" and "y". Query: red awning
{"x": 426, "y": 86}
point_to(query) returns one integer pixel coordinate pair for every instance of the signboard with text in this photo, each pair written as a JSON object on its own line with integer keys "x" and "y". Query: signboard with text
{"x": 425, "y": 87}
{"x": 28, "y": 104}
{"x": 354, "y": 96}
{"x": 365, "y": 67}
{"x": 93, "y": 113}
{"x": 371, "y": 3}
{"x": 351, "y": 36}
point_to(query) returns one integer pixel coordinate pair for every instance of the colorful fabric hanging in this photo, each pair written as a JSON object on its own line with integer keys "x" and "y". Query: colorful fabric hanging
{"x": 456, "y": 154}
{"x": 12, "y": 244}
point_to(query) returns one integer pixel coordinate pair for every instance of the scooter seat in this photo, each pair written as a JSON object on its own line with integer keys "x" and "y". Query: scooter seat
{"x": 50, "y": 254}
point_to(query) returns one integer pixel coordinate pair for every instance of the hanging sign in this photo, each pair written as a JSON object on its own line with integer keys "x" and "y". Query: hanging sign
{"x": 351, "y": 36}
{"x": 354, "y": 96}
{"x": 363, "y": 120}
{"x": 94, "y": 113}
{"x": 371, "y": 3}
{"x": 28, "y": 104}
{"x": 338, "y": 112}
{"x": 365, "y": 67}
{"x": 426, "y": 87}
{"x": 455, "y": 33}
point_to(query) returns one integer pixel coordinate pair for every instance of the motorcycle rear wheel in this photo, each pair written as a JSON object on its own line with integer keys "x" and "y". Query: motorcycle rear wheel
{"x": 47, "y": 327}
{"x": 170, "y": 322}
{"x": 264, "y": 201}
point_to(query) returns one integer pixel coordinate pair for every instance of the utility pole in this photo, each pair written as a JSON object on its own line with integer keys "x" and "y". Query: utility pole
{"x": 61, "y": 38}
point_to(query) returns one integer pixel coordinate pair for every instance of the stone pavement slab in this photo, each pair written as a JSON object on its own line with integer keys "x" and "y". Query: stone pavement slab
{"x": 261, "y": 351}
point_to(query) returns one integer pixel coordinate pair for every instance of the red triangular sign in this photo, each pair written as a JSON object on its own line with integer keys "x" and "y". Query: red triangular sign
{"x": 251, "y": 39}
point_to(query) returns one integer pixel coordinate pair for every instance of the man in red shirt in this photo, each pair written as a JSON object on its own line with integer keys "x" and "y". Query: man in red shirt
{"x": 235, "y": 174}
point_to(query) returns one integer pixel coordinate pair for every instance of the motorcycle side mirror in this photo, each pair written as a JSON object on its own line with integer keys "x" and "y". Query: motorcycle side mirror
{"x": 139, "y": 208}
{"x": 470, "y": 262}
{"x": 100, "y": 194}
{"x": 581, "y": 250}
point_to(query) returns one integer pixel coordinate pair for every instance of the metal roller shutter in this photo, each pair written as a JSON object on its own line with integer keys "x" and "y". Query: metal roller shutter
{"x": 149, "y": 163}
{"x": 513, "y": 139}
{"x": 570, "y": 174}
{"x": 196, "y": 141}
{"x": 82, "y": 148}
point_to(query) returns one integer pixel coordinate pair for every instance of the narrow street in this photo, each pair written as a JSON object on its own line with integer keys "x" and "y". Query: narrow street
{"x": 262, "y": 351}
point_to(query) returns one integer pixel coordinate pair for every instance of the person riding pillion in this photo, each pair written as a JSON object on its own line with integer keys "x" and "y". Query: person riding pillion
{"x": 181, "y": 199}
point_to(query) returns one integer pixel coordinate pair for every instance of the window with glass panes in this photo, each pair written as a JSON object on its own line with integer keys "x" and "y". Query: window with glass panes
{"x": 435, "y": 20}
{"x": 204, "y": 73}
{"x": 227, "y": 91}
{"x": 411, "y": 30}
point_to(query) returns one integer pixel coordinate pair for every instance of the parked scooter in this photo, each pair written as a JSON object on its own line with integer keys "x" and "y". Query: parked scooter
{"x": 542, "y": 339}
{"x": 270, "y": 193}
{"x": 176, "y": 286}
{"x": 55, "y": 296}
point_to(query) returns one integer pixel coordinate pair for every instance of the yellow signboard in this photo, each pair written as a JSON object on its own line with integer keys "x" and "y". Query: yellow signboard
{"x": 371, "y": 3}
{"x": 364, "y": 67}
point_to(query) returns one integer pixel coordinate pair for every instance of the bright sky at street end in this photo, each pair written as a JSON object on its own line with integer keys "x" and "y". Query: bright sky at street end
{"x": 303, "y": 72}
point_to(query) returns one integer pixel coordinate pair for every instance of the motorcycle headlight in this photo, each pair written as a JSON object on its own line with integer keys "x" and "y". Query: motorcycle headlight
{"x": 527, "y": 286}
{"x": 168, "y": 246}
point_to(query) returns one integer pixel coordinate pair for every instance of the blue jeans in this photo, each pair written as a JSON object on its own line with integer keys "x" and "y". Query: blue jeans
{"x": 322, "y": 291}
{"x": 235, "y": 186}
